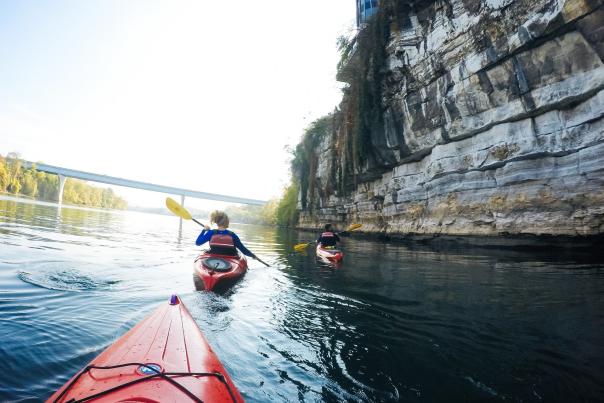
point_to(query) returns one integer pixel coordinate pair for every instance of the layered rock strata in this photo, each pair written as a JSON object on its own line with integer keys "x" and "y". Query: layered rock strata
{"x": 493, "y": 123}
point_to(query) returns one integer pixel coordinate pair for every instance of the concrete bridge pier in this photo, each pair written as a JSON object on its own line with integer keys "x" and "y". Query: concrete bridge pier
{"x": 182, "y": 203}
{"x": 62, "y": 180}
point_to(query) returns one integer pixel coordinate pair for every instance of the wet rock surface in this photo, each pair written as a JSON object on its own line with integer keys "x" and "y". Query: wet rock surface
{"x": 493, "y": 123}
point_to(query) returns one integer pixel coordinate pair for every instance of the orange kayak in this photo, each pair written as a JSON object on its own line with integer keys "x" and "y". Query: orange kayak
{"x": 332, "y": 255}
{"x": 219, "y": 271}
{"x": 164, "y": 358}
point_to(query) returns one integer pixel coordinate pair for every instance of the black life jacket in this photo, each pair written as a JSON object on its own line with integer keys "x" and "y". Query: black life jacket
{"x": 328, "y": 238}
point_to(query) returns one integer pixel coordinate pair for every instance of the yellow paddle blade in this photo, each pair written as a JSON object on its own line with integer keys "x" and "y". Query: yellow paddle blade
{"x": 354, "y": 227}
{"x": 177, "y": 209}
{"x": 301, "y": 247}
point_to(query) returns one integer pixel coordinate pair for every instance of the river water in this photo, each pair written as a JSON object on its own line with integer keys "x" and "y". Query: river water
{"x": 393, "y": 323}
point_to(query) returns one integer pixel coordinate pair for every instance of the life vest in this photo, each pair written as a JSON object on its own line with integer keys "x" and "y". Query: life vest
{"x": 328, "y": 238}
{"x": 222, "y": 240}
{"x": 222, "y": 244}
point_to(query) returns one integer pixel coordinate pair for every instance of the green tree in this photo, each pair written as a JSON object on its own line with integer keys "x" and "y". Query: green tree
{"x": 268, "y": 212}
{"x": 119, "y": 203}
{"x": 30, "y": 185}
{"x": 4, "y": 175}
{"x": 304, "y": 162}
{"x": 13, "y": 165}
{"x": 287, "y": 210}
{"x": 106, "y": 198}
{"x": 48, "y": 186}
{"x": 14, "y": 186}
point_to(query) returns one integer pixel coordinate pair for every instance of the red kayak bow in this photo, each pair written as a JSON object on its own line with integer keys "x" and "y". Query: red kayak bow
{"x": 164, "y": 358}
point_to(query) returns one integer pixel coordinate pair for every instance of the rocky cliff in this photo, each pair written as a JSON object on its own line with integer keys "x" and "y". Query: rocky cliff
{"x": 467, "y": 117}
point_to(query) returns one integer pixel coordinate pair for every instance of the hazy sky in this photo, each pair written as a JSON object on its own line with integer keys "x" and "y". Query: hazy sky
{"x": 197, "y": 94}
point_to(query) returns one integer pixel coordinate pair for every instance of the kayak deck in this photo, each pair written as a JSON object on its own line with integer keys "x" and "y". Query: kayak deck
{"x": 163, "y": 358}
{"x": 211, "y": 277}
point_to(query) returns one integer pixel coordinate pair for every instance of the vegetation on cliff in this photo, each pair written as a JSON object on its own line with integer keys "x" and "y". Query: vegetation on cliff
{"x": 286, "y": 213}
{"x": 32, "y": 183}
{"x": 305, "y": 161}
{"x": 348, "y": 129}
{"x": 361, "y": 66}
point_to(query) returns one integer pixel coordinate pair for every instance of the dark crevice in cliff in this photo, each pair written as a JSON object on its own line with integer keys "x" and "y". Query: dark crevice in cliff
{"x": 592, "y": 29}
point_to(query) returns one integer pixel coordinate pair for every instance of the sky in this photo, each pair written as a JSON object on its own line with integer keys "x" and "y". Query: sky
{"x": 204, "y": 95}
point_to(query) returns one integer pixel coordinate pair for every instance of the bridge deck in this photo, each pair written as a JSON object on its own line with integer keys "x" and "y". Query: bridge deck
{"x": 112, "y": 180}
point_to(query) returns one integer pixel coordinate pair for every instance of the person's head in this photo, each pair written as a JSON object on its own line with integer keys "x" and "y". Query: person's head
{"x": 327, "y": 227}
{"x": 220, "y": 218}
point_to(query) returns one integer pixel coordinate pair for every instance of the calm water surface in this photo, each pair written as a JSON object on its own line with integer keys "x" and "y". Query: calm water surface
{"x": 392, "y": 323}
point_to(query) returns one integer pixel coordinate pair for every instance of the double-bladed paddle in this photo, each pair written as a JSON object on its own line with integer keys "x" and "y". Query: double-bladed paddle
{"x": 183, "y": 213}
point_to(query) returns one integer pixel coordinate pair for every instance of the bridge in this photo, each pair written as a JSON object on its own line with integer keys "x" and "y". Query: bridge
{"x": 64, "y": 173}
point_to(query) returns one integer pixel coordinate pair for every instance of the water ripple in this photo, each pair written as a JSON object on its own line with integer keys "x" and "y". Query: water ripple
{"x": 66, "y": 280}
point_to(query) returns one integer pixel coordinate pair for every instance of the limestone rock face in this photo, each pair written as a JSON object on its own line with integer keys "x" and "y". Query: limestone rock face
{"x": 493, "y": 123}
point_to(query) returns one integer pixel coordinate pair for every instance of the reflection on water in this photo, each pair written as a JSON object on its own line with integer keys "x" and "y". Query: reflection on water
{"x": 393, "y": 323}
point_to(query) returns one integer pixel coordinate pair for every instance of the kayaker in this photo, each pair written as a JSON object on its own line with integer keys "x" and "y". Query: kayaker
{"x": 328, "y": 239}
{"x": 222, "y": 241}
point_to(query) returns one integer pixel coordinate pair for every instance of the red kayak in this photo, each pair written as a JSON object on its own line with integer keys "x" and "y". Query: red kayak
{"x": 164, "y": 358}
{"x": 332, "y": 255}
{"x": 217, "y": 271}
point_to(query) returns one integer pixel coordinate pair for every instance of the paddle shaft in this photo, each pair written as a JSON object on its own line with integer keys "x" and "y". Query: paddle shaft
{"x": 260, "y": 260}
{"x": 198, "y": 222}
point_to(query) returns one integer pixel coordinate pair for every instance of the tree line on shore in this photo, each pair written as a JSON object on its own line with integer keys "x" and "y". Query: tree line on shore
{"x": 15, "y": 179}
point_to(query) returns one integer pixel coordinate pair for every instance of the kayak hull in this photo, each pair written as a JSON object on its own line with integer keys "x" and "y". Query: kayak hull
{"x": 168, "y": 342}
{"x": 212, "y": 279}
{"x": 331, "y": 255}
